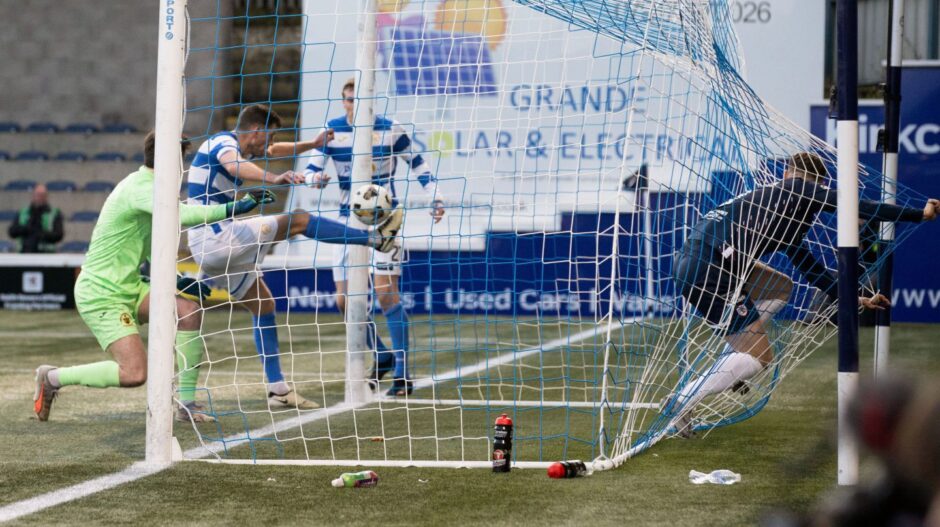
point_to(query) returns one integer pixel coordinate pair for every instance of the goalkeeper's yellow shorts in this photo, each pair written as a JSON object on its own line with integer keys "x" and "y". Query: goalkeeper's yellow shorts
{"x": 109, "y": 316}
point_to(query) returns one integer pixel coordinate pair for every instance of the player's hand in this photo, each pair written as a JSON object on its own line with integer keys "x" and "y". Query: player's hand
{"x": 289, "y": 178}
{"x": 437, "y": 210}
{"x": 877, "y": 302}
{"x": 249, "y": 201}
{"x": 323, "y": 139}
{"x": 192, "y": 287}
{"x": 316, "y": 179}
{"x": 931, "y": 209}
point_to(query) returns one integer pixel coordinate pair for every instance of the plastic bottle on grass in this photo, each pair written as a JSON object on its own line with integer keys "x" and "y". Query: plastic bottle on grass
{"x": 366, "y": 478}
{"x": 718, "y": 477}
{"x": 568, "y": 469}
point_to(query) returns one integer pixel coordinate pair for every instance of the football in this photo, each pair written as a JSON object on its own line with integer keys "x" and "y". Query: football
{"x": 371, "y": 203}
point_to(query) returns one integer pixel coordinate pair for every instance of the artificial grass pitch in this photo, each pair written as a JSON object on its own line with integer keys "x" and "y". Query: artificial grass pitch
{"x": 785, "y": 454}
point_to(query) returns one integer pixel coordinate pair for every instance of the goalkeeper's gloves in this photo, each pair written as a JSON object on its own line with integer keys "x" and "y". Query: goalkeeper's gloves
{"x": 249, "y": 201}
{"x": 193, "y": 287}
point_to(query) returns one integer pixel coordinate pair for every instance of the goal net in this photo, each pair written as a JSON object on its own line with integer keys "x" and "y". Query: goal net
{"x": 575, "y": 145}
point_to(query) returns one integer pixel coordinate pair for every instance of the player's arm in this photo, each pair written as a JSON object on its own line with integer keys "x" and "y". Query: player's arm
{"x": 404, "y": 150}
{"x": 875, "y": 210}
{"x": 240, "y": 168}
{"x": 191, "y": 214}
{"x": 815, "y": 272}
{"x": 315, "y": 175}
{"x": 293, "y": 148}
{"x": 819, "y": 276}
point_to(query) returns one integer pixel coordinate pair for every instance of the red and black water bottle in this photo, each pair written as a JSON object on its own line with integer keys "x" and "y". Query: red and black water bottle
{"x": 567, "y": 469}
{"x": 502, "y": 444}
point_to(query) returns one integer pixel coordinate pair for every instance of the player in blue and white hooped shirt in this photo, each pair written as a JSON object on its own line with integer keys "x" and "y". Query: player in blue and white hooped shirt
{"x": 228, "y": 252}
{"x": 390, "y": 143}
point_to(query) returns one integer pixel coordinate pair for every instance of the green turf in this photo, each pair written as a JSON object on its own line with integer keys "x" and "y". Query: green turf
{"x": 785, "y": 454}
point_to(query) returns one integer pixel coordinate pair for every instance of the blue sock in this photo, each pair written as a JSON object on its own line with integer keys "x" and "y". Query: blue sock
{"x": 397, "y": 321}
{"x": 332, "y": 231}
{"x": 266, "y": 344}
{"x": 382, "y": 355}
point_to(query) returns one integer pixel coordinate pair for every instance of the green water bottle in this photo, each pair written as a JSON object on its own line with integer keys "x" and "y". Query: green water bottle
{"x": 366, "y": 478}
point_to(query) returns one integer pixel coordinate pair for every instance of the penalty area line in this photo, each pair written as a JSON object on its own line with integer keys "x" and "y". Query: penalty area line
{"x": 142, "y": 469}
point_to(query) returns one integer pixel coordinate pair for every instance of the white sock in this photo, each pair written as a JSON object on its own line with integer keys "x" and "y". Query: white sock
{"x": 54, "y": 378}
{"x": 768, "y": 309}
{"x": 730, "y": 369}
{"x": 279, "y": 388}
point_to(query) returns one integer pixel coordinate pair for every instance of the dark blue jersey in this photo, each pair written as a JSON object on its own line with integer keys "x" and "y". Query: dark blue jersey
{"x": 777, "y": 218}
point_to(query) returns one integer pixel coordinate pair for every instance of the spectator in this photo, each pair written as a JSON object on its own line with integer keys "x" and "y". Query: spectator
{"x": 37, "y": 227}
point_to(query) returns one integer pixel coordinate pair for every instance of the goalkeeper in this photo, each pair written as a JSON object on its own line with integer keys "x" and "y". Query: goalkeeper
{"x": 227, "y": 252}
{"x": 113, "y": 300}
{"x": 724, "y": 249}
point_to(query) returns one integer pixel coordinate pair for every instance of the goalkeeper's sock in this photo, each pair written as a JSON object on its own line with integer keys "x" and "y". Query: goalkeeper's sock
{"x": 267, "y": 346}
{"x": 104, "y": 374}
{"x": 397, "y": 321}
{"x": 189, "y": 352}
{"x": 727, "y": 371}
{"x": 331, "y": 231}
{"x": 382, "y": 354}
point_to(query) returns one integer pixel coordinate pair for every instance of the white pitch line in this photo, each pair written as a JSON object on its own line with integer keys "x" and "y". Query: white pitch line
{"x": 51, "y": 499}
{"x": 141, "y": 469}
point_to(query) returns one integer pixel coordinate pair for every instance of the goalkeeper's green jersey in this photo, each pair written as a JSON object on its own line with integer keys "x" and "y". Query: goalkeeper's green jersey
{"x": 120, "y": 242}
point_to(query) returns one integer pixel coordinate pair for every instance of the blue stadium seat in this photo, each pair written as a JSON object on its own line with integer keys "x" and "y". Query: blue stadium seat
{"x": 98, "y": 186}
{"x": 7, "y": 246}
{"x": 81, "y": 128}
{"x": 31, "y": 155}
{"x": 118, "y": 128}
{"x": 9, "y": 127}
{"x": 42, "y": 127}
{"x": 109, "y": 156}
{"x": 61, "y": 185}
{"x": 19, "y": 185}
{"x": 88, "y": 216}
{"x": 7, "y": 216}
{"x": 138, "y": 158}
{"x": 70, "y": 156}
{"x": 4, "y": 154}
{"x": 73, "y": 246}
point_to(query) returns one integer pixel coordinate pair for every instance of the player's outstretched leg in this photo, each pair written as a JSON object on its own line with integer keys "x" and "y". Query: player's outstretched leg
{"x": 381, "y": 238}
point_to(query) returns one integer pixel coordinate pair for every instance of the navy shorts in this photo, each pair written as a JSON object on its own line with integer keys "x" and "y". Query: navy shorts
{"x": 708, "y": 282}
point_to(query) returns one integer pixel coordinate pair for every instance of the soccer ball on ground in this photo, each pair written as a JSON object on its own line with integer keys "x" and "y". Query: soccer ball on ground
{"x": 371, "y": 203}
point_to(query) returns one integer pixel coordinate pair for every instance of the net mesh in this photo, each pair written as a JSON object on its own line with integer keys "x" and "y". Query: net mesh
{"x": 576, "y": 146}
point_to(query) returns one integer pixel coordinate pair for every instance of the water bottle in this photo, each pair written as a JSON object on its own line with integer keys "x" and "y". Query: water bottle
{"x": 502, "y": 444}
{"x": 718, "y": 477}
{"x": 366, "y": 478}
{"x": 568, "y": 469}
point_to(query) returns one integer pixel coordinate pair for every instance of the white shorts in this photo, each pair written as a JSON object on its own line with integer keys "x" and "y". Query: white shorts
{"x": 387, "y": 264}
{"x": 228, "y": 253}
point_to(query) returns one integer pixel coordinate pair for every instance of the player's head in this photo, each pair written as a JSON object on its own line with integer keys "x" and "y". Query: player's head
{"x": 40, "y": 195}
{"x": 150, "y": 148}
{"x": 349, "y": 97}
{"x": 256, "y": 127}
{"x": 808, "y": 166}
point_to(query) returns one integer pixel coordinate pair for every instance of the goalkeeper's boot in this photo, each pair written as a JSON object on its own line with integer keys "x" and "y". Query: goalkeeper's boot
{"x": 291, "y": 399}
{"x": 191, "y": 411}
{"x": 382, "y": 365}
{"x": 681, "y": 424}
{"x": 385, "y": 235}
{"x": 45, "y": 393}
{"x": 401, "y": 388}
